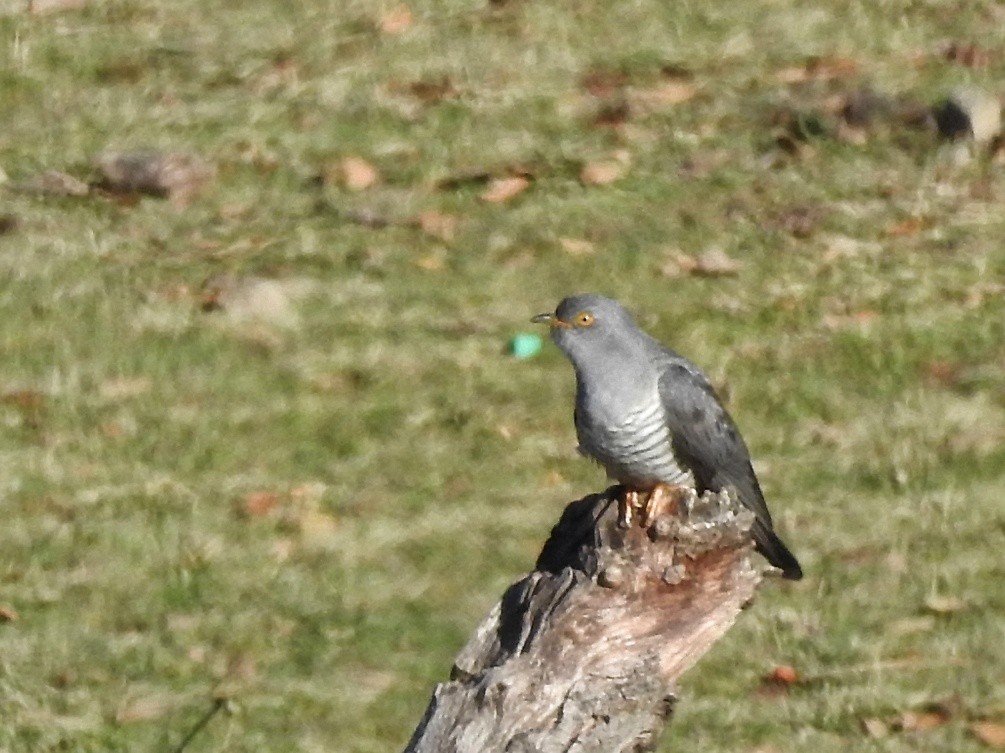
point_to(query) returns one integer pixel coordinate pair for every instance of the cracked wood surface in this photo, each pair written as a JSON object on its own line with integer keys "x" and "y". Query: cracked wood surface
{"x": 582, "y": 654}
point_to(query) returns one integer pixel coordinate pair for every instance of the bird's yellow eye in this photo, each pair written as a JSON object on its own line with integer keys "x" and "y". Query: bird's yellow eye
{"x": 584, "y": 319}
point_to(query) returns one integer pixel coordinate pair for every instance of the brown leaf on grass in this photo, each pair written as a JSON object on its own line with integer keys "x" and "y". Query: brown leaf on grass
{"x": 125, "y": 387}
{"x": 318, "y": 531}
{"x": 397, "y": 20}
{"x": 713, "y": 263}
{"x": 943, "y": 604}
{"x": 27, "y": 400}
{"x": 433, "y": 89}
{"x": 357, "y": 174}
{"x": 940, "y": 373}
{"x": 778, "y": 681}
{"x": 664, "y": 95}
{"x": 908, "y": 226}
{"x": 784, "y": 674}
{"x": 179, "y": 176}
{"x": 602, "y": 173}
{"x": 854, "y": 320}
{"x": 433, "y": 262}
{"x": 42, "y": 7}
{"x": 8, "y": 223}
{"x": 875, "y": 728}
{"x": 503, "y": 189}
{"x": 816, "y": 68}
{"x": 576, "y": 246}
{"x": 612, "y": 114}
{"x": 991, "y": 734}
{"x": 147, "y": 709}
{"x": 922, "y": 721}
{"x": 54, "y": 183}
{"x": 800, "y": 220}
{"x": 8, "y": 613}
{"x": 967, "y": 54}
{"x": 259, "y": 504}
{"x": 604, "y": 83}
{"x": 437, "y": 224}
{"x": 283, "y": 71}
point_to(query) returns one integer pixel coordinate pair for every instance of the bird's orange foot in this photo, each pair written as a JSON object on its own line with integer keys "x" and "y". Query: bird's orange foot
{"x": 664, "y": 499}
{"x": 628, "y": 505}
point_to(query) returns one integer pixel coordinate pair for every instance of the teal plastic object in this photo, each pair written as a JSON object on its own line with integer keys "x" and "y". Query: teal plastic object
{"x": 525, "y": 345}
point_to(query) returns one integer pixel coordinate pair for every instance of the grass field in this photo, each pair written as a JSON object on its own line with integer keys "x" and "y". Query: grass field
{"x": 306, "y": 502}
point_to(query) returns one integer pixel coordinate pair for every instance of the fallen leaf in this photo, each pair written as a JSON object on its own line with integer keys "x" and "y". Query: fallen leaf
{"x": 123, "y": 388}
{"x": 940, "y": 373}
{"x": 576, "y": 246}
{"x": 554, "y": 479}
{"x": 55, "y": 183}
{"x": 358, "y": 174}
{"x": 776, "y": 684}
{"x": 24, "y": 399}
{"x": 42, "y": 7}
{"x": 259, "y": 504}
{"x": 817, "y": 68}
{"x": 922, "y": 721}
{"x": 8, "y": 223}
{"x": 941, "y": 604}
{"x": 664, "y": 95}
{"x": 318, "y": 531}
{"x": 865, "y": 317}
{"x": 875, "y": 728}
{"x": 908, "y": 226}
{"x": 909, "y": 625}
{"x": 112, "y": 429}
{"x": 784, "y": 674}
{"x": 7, "y": 613}
{"x": 432, "y": 90}
{"x": 991, "y": 734}
{"x": 713, "y": 263}
{"x": 612, "y": 114}
{"x": 282, "y": 549}
{"x": 146, "y": 709}
{"x": 437, "y": 224}
{"x": 397, "y": 20}
{"x": 604, "y": 83}
{"x": 967, "y": 54}
{"x": 433, "y": 262}
{"x": 504, "y": 189}
{"x": 602, "y": 173}
{"x": 799, "y": 221}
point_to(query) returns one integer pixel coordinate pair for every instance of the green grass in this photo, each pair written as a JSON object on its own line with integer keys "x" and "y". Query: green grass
{"x": 417, "y": 467}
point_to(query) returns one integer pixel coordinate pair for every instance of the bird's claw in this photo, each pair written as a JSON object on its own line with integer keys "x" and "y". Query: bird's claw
{"x": 664, "y": 499}
{"x": 628, "y": 504}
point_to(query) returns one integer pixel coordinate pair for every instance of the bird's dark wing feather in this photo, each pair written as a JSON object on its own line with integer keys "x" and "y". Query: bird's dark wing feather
{"x": 707, "y": 441}
{"x": 705, "y": 438}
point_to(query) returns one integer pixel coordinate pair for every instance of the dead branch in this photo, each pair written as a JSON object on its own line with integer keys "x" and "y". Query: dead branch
{"x": 582, "y": 655}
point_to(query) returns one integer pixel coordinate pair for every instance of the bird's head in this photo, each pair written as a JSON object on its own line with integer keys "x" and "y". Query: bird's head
{"x": 584, "y": 325}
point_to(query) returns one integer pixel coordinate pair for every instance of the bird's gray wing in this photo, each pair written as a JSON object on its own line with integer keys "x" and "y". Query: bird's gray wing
{"x": 705, "y": 439}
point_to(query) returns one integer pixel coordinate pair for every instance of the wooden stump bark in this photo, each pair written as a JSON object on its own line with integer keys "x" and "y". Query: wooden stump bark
{"x": 582, "y": 655}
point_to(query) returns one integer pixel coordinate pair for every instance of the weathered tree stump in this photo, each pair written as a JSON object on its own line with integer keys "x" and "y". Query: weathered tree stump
{"x": 582, "y": 654}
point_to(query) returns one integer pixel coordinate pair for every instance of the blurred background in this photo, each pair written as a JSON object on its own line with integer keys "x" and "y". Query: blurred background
{"x": 275, "y": 429}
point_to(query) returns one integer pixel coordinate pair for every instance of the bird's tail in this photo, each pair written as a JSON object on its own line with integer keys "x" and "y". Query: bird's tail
{"x": 773, "y": 549}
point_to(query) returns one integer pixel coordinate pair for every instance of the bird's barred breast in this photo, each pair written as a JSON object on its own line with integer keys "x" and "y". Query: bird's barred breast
{"x": 638, "y": 449}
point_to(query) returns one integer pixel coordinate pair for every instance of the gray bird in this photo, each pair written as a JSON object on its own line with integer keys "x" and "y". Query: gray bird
{"x": 651, "y": 417}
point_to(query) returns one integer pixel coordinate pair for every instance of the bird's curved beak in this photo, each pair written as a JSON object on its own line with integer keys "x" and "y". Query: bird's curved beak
{"x": 551, "y": 320}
